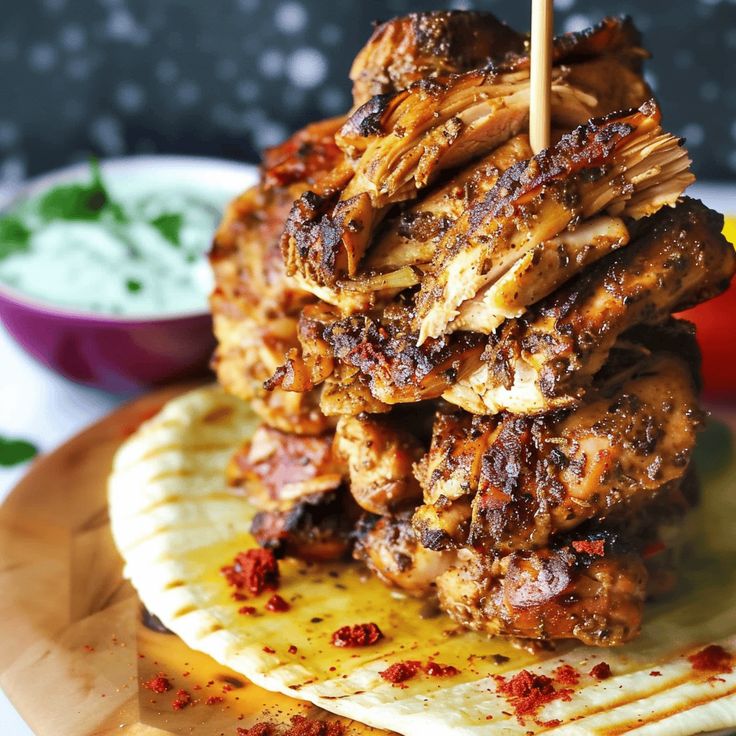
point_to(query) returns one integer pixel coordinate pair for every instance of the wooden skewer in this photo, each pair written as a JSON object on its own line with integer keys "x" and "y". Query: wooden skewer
{"x": 541, "y": 75}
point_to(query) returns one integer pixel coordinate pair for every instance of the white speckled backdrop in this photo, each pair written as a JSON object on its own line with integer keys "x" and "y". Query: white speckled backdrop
{"x": 228, "y": 77}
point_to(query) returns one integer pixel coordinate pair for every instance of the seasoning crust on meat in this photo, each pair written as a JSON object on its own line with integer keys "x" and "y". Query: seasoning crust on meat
{"x": 463, "y": 354}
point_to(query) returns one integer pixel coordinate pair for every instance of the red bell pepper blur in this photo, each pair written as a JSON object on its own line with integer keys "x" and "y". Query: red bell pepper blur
{"x": 716, "y": 330}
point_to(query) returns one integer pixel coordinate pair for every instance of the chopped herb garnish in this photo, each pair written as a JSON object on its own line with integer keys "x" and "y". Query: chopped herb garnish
{"x": 14, "y": 235}
{"x": 15, "y": 452}
{"x": 133, "y": 286}
{"x": 80, "y": 201}
{"x": 169, "y": 225}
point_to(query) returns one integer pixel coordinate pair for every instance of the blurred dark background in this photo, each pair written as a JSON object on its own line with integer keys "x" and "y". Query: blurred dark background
{"x": 228, "y": 77}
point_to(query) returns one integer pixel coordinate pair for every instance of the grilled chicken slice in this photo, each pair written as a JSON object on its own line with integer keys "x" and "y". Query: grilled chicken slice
{"x": 349, "y": 397}
{"x": 275, "y": 469}
{"x": 411, "y": 238}
{"x": 596, "y": 596}
{"x": 623, "y": 164}
{"x": 379, "y": 456}
{"x": 391, "y": 550}
{"x": 619, "y": 448}
{"x": 317, "y": 528}
{"x": 402, "y": 142}
{"x": 540, "y": 272}
{"x": 613, "y": 38}
{"x": 444, "y": 524}
{"x": 255, "y": 304}
{"x": 518, "y": 480}
{"x": 385, "y": 355}
{"x": 426, "y": 45}
{"x": 546, "y": 359}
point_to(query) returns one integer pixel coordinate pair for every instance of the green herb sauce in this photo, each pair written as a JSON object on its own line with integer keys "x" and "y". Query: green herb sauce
{"x": 133, "y": 245}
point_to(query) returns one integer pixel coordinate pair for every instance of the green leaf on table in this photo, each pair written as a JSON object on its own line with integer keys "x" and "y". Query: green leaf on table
{"x": 169, "y": 225}
{"x": 15, "y": 452}
{"x": 14, "y": 235}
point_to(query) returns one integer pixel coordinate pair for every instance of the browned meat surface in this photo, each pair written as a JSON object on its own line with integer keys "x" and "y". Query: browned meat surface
{"x": 255, "y": 305}
{"x": 387, "y": 357}
{"x": 379, "y": 456}
{"x": 425, "y": 45}
{"x": 512, "y": 246}
{"x": 275, "y": 469}
{"x": 391, "y": 550}
{"x": 589, "y": 584}
{"x": 623, "y": 164}
{"x": 544, "y": 360}
{"x": 528, "y": 478}
{"x": 400, "y": 143}
{"x": 411, "y": 238}
{"x": 464, "y": 355}
{"x": 317, "y": 528}
{"x": 552, "y": 593}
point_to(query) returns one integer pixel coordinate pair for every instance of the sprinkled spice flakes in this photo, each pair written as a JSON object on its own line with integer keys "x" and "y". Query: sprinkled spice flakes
{"x": 183, "y": 699}
{"x": 277, "y": 604}
{"x": 712, "y": 658}
{"x": 596, "y": 547}
{"x": 158, "y": 684}
{"x": 566, "y": 674}
{"x": 527, "y": 692}
{"x": 359, "y": 635}
{"x": 255, "y": 570}
{"x": 300, "y": 726}
{"x": 399, "y": 672}
{"x": 601, "y": 671}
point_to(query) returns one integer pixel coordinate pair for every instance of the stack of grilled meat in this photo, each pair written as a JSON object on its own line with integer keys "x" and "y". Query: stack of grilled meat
{"x": 463, "y": 354}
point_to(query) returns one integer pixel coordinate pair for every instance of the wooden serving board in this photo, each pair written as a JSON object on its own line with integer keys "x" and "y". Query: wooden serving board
{"x": 76, "y": 645}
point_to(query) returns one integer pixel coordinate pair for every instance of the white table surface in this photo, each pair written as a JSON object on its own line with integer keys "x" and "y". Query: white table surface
{"x": 38, "y": 405}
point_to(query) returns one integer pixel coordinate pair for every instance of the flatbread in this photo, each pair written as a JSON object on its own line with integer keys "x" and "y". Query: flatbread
{"x": 176, "y": 524}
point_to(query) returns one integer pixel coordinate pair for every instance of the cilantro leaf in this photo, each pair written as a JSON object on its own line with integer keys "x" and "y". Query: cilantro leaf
{"x": 15, "y": 452}
{"x": 169, "y": 225}
{"x": 14, "y": 235}
{"x": 133, "y": 285}
{"x": 80, "y": 201}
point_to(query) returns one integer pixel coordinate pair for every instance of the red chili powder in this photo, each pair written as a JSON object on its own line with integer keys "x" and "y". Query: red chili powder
{"x": 359, "y": 635}
{"x": 655, "y": 673}
{"x": 255, "y": 570}
{"x": 527, "y": 692}
{"x": 435, "y": 669}
{"x": 713, "y": 658}
{"x": 292, "y": 649}
{"x": 277, "y": 604}
{"x": 268, "y": 650}
{"x": 566, "y": 674}
{"x": 259, "y": 729}
{"x": 590, "y": 546}
{"x": 601, "y": 671}
{"x": 183, "y": 699}
{"x": 247, "y": 610}
{"x": 214, "y": 699}
{"x": 158, "y": 684}
{"x": 300, "y": 726}
{"x": 401, "y": 671}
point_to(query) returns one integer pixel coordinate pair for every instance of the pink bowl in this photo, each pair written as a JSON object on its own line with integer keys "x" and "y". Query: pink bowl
{"x": 121, "y": 354}
{"x": 118, "y": 355}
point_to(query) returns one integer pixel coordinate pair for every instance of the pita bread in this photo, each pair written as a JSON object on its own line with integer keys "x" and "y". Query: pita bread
{"x": 176, "y": 524}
